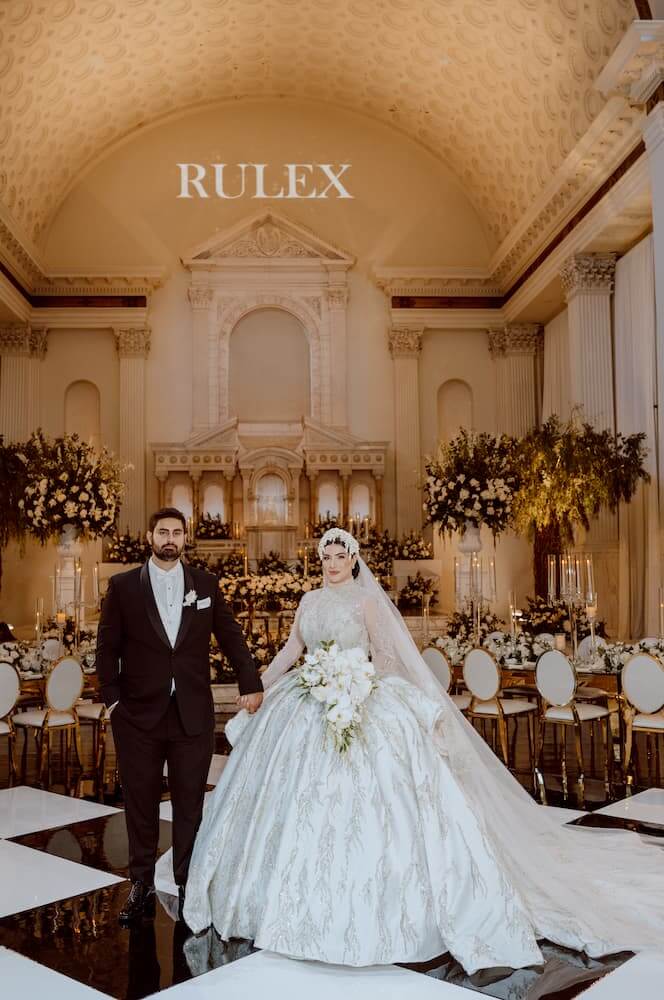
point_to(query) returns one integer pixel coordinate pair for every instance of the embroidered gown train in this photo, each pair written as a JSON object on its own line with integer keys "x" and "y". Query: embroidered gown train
{"x": 415, "y": 842}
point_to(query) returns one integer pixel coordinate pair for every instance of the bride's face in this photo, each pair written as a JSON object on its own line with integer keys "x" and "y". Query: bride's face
{"x": 337, "y": 564}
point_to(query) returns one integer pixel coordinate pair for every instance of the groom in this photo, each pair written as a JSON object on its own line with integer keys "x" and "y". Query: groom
{"x": 153, "y": 665}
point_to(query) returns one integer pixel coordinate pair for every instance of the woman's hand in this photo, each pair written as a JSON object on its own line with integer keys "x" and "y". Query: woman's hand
{"x": 252, "y": 702}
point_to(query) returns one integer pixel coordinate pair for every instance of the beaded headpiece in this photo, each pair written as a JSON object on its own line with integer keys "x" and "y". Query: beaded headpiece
{"x": 340, "y": 537}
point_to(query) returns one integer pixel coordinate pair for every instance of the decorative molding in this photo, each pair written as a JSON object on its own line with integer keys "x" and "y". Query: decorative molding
{"x": 23, "y": 341}
{"x": 425, "y": 282}
{"x": 337, "y": 298}
{"x": 653, "y": 129}
{"x": 589, "y": 273}
{"x": 405, "y": 342}
{"x": 102, "y": 281}
{"x": 515, "y": 338}
{"x": 133, "y": 342}
{"x": 636, "y": 68}
{"x": 200, "y": 296}
{"x": 266, "y": 236}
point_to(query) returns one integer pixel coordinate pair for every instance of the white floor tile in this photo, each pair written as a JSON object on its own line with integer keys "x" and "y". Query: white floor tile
{"x": 642, "y": 978}
{"x": 564, "y": 815}
{"x": 26, "y": 810}
{"x": 22, "y": 977}
{"x": 266, "y": 974}
{"x": 645, "y": 807}
{"x": 31, "y": 878}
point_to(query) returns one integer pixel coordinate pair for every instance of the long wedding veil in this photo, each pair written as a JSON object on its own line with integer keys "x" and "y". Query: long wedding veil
{"x": 610, "y": 883}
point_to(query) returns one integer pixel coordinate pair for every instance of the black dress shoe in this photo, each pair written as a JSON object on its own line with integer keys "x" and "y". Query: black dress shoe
{"x": 181, "y": 893}
{"x": 141, "y": 902}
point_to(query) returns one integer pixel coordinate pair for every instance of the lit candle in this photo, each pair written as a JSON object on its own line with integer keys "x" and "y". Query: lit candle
{"x": 492, "y": 579}
{"x": 306, "y": 562}
{"x": 61, "y": 618}
{"x": 590, "y": 578}
{"x": 190, "y": 529}
{"x": 307, "y": 529}
{"x": 577, "y": 578}
{"x": 95, "y": 583}
{"x": 457, "y": 580}
{"x": 551, "y": 589}
{"x": 512, "y": 600}
{"x": 58, "y": 589}
{"x": 246, "y": 562}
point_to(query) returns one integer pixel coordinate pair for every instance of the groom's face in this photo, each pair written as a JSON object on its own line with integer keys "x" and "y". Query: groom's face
{"x": 167, "y": 539}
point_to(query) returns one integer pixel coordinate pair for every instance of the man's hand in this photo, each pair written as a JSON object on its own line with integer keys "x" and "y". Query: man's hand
{"x": 252, "y": 702}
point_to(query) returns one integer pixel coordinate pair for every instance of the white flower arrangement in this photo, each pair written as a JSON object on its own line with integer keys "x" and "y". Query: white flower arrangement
{"x": 472, "y": 481}
{"x": 413, "y": 546}
{"x": 455, "y": 649}
{"x": 516, "y": 650}
{"x": 341, "y": 680}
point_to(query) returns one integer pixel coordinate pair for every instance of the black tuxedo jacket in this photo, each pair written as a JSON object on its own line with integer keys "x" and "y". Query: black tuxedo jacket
{"x": 136, "y": 663}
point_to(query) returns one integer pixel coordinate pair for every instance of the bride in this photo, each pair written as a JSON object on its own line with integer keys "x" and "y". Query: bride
{"x": 414, "y": 842}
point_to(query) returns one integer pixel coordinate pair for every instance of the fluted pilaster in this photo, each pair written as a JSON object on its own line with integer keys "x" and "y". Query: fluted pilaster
{"x": 206, "y": 406}
{"x": 514, "y": 349}
{"x": 22, "y": 348}
{"x": 405, "y": 347}
{"x": 588, "y": 282}
{"x": 337, "y": 302}
{"x": 133, "y": 348}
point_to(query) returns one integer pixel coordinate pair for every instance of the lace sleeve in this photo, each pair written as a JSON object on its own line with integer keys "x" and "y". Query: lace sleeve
{"x": 288, "y": 654}
{"x": 383, "y": 654}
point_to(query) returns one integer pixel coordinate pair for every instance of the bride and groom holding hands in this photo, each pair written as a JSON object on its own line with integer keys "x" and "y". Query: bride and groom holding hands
{"x": 414, "y": 842}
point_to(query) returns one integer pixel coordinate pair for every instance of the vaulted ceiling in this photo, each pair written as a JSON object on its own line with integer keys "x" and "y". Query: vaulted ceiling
{"x": 501, "y": 90}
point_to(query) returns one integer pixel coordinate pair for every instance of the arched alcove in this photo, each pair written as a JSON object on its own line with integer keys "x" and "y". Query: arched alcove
{"x": 328, "y": 499}
{"x": 271, "y": 499}
{"x": 455, "y": 408}
{"x": 214, "y": 501}
{"x": 259, "y": 388}
{"x": 360, "y": 500}
{"x": 83, "y": 411}
{"x": 181, "y": 499}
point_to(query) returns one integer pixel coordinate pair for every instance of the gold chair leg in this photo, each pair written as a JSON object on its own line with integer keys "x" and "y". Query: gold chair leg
{"x": 12, "y": 760}
{"x": 579, "y": 758}
{"x": 563, "y": 761}
{"x": 67, "y": 755}
{"x": 504, "y": 745}
{"x": 44, "y": 756}
{"x": 539, "y": 763}
{"x": 101, "y": 759}
{"x": 608, "y": 763}
{"x": 24, "y": 755}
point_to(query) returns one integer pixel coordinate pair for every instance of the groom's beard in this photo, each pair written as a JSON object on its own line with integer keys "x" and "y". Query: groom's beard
{"x": 168, "y": 552}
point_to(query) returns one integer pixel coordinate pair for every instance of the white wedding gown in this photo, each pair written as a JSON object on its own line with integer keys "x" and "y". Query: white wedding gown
{"x": 383, "y": 854}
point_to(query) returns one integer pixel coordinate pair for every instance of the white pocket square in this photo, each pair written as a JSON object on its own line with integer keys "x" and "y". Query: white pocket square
{"x": 204, "y": 603}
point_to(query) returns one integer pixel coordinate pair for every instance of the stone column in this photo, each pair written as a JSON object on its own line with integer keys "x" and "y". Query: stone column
{"x": 313, "y": 497}
{"x": 195, "y": 477}
{"x": 204, "y": 411}
{"x": 514, "y": 350}
{"x": 228, "y": 499}
{"x": 161, "y": 480}
{"x": 378, "y": 486}
{"x": 22, "y": 349}
{"x": 337, "y": 300}
{"x": 133, "y": 348}
{"x": 345, "y": 498}
{"x": 588, "y": 283}
{"x": 405, "y": 347}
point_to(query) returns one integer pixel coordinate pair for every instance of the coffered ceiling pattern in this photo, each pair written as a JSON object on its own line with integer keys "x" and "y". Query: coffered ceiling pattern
{"x": 501, "y": 90}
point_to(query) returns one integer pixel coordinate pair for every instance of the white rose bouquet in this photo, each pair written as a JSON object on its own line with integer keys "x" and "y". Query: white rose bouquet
{"x": 341, "y": 680}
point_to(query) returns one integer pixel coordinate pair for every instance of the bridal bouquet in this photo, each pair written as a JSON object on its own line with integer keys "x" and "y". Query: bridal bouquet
{"x": 341, "y": 680}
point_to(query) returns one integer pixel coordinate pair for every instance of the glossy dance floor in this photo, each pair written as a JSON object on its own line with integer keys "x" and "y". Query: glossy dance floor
{"x": 63, "y": 869}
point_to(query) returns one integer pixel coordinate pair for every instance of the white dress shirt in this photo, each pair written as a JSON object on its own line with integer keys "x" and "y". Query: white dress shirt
{"x": 168, "y": 590}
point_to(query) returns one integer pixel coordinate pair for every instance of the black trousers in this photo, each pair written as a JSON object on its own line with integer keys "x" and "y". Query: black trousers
{"x": 141, "y": 758}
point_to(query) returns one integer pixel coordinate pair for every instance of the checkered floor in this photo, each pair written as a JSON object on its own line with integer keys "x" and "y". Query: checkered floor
{"x": 63, "y": 871}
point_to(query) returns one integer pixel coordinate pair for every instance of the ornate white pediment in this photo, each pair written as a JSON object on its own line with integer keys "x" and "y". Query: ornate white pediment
{"x": 223, "y": 436}
{"x": 265, "y": 237}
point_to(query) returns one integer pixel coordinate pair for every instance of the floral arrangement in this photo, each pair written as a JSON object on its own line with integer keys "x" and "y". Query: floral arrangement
{"x": 13, "y": 652}
{"x": 462, "y": 625}
{"x": 455, "y": 649}
{"x": 271, "y": 563}
{"x": 552, "y": 616}
{"x": 379, "y": 554}
{"x": 86, "y": 638}
{"x": 473, "y": 480}
{"x": 614, "y": 656}
{"x": 415, "y": 590}
{"x": 69, "y": 482}
{"x": 260, "y": 647}
{"x": 323, "y": 524}
{"x": 284, "y": 588}
{"x": 231, "y": 565}
{"x": 212, "y": 528}
{"x": 413, "y": 546}
{"x": 341, "y": 680}
{"x": 128, "y": 548}
{"x": 514, "y": 650}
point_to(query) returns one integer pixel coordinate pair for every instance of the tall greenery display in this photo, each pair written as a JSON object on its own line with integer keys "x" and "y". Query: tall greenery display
{"x": 569, "y": 471}
{"x": 13, "y": 478}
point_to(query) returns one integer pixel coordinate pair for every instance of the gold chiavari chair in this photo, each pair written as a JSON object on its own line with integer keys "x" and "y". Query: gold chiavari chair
{"x": 557, "y": 684}
{"x": 62, "y": 690}
{"x": 439, "y": 666}
{"x": 10, "y": 692}
{"x": 643, "y": 709}
{"x": 482, "y": 676}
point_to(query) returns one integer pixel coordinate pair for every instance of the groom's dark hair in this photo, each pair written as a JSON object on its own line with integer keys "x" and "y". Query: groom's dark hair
{"x": 163, "y": 513}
